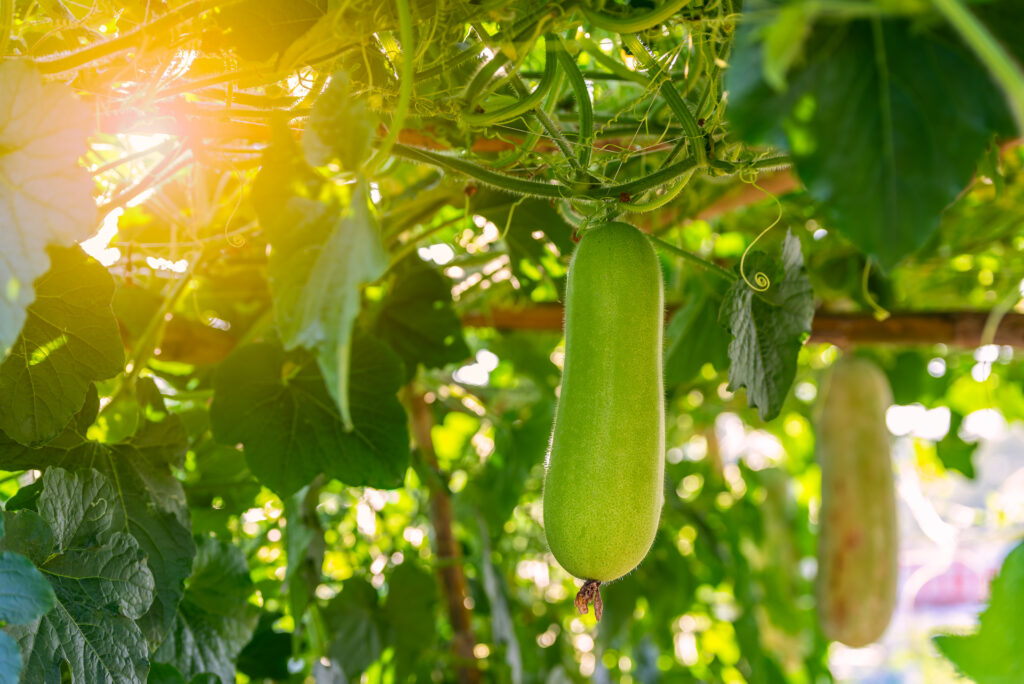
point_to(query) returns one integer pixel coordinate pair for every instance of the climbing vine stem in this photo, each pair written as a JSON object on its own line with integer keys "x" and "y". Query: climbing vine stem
{"x": 407, "y": 72}
{"x": 634, "y": 23}
{"x": 132, "y": 39}
{"x": 584, "y": 108}
{"x": 693, "y": 258}
{"x": 668, "y": 91}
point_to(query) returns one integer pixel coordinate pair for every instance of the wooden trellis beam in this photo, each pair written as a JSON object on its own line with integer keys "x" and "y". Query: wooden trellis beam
{"x": 188, "y": 341}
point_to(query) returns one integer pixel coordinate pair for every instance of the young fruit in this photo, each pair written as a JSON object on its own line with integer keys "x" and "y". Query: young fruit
{"x": 857, "y": 544}
{"x": 605, "y": 469}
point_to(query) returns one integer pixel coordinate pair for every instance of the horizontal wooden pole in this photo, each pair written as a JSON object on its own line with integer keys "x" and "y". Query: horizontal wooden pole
{"x": 188, "y": 341}
{"x": 961, "y": 329}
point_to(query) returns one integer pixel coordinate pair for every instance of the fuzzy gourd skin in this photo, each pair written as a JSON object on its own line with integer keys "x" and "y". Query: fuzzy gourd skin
{"x": 857, "y": 542}
{"x": 603, "y": 490}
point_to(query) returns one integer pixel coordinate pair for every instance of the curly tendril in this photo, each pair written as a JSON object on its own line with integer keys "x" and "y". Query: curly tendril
{"x": 761, "y": 281}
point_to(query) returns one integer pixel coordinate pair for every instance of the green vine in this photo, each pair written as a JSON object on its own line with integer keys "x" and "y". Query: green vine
{"x": 671, "y": 95}
{"x": 525, "y": 104}
{"x": 407, "y": 70}
{"x": 584, "y": 108}
{"x": 634, "y": 23}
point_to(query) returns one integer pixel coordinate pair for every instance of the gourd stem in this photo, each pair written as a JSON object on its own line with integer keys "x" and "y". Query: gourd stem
{"x": 532, "y": 188}
{"x": 131, "y": 39}
{"x": 635, "y": 23}
{"x": 528, "y": 102}
{"x": 672, "y": 97}
{"x": 585, "y": 109}
{"x": 405, "y": 31}
{"x": 614, "y": 66}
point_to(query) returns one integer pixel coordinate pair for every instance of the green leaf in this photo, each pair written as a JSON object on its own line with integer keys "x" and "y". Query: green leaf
{"x": 101, "y": 583}
{"x": 768, "y": 328}
{"x": 28, "y": 533}
{"x": 150, "y": 498}
{"x": 259, "y": 29}
{"x": 527, "y": 225}
{"x": 877, "y": 124}
{"x": 416, "y": 319}
{"x": 955, "y": 453}
{"x": 321, "y": 255}
{"x": 783, "y": 43}
{"x": 69, "y": 340}
{"x": 995, "y": 653}
{"x": 221, "y": 474}
{"x": 10, "y": 659}
{"x": 409, "y": 610}
{"x": 519, "y": 446}
{"x": 354, "y": 620}
{"x": 277, "y": 406}
{"x": 24, "y": 594}
{"x": 45, "y": 197}
{"x": 340, "y": 126}
{"x": 694, "y": 337}
{"x": 161, "y": 673}
{"x": 267, "y": 653}
{"x": 1005, "y": 20}
{"x": 214, "y": 620}
{"x": 304, "y": 548}
{"x": 910, "y": 380}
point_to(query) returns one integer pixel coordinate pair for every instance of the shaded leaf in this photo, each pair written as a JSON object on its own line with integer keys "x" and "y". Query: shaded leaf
{"x": 45, "y": 197}
{"x": 321, "y": 255}
{"x": 527, "y": 225}
{"x": 267, "y": 653}
{"x": 910, "y": 380}
{"x": 214, "y": 620}
{"x": 954, "y": 452}
{"x": 416, "y": 319}
{"x": 995, "y": 653}
{"x": 876, "y": 125}
{"x": 409, "y": 610}
{"x": 304, "y": 548}
{"x": 519, "y": 446}
{"x": 694, "y": 337}
{"x": 518, "y": 218}
{"x": 221, "y": 475}
{"x": 353, "y": 618}
{"x": 149, "y": 499}
{"x": 259, "y": 29}
{"x": 10, "y": 659}
{"x": 340, "y": 126}
{"x": 162, "y": 673}
{"x": 276, "y": 404}
{"x": 768, "y": 328}
{"x": 24, "y": 594}
{"x": 28, "y": 532}
{"x": 101, "y": 583}
{"x": 69, "y": 340}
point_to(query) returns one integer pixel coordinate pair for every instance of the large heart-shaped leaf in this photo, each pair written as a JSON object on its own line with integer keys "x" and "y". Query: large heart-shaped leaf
{"x": 70, "y": 339}
{"x": 277, "y": 406}
{"x": 45, "y": 197}
{"x": 151, "y": 498}
{"x": 100, "y": 579}
{"x": 876, "y": 121}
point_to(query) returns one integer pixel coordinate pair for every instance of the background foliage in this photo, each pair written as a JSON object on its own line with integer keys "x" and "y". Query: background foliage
{"x": 288, "y": 420}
